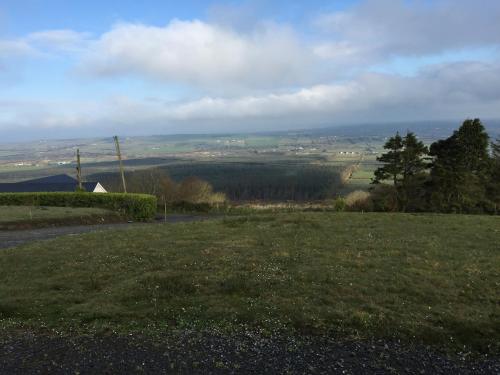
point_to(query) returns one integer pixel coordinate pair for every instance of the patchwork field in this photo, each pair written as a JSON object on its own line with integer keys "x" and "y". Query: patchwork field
{"x": 431, "y": 279}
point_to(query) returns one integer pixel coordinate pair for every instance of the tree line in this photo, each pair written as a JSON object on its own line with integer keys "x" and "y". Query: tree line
{"x": 238, "y": 181}
{"x": 189, "y": 192}
{"x": 459, "y": 174}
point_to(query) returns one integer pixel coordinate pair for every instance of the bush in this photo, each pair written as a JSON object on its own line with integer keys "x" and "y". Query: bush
{"x": 188, "y": 195}
{"x": 197, "y": 191}
{"x": 184, "y": 206}
{"x": 359, "y": 200}
{"x": 339, "y": 204}
{"x": 385, "y": 198}
{"x": 135, "y": 206}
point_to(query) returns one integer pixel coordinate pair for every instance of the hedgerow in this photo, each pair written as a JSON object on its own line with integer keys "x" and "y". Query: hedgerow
{"x": 135, "y": 206}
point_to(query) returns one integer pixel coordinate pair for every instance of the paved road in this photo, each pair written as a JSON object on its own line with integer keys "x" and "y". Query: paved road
{"x": 11, "y": 238}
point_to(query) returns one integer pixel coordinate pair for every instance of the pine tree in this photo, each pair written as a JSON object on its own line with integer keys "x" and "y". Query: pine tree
{"x": 404, "y": 165}
{"x": 495, "y": 148}
{"x": 461, "y": 169}
{"x": 412, "y": 157}
{"x": 413, "y": 175}
{"x": 472, "y": 141}
{"x": 392, "y": 168}
{"x": 493, "y": 191}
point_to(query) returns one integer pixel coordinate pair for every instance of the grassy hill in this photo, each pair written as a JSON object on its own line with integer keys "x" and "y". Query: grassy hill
{"x": 421, "y": 278}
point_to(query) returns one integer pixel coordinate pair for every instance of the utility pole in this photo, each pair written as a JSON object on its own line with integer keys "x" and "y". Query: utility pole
{"x": 78, "y": 169}
{"x": 119, "y": 154}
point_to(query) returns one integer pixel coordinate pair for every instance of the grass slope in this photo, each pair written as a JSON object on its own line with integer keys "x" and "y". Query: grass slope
{"x": 424, "y": 278}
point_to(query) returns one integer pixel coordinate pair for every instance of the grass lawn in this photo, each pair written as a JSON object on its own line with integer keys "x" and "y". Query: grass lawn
{"x": 10, "y": 214}
{"x": 421, "y": 278}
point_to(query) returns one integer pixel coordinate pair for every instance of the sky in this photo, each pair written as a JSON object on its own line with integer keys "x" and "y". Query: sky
{"x": 97, "y": 68}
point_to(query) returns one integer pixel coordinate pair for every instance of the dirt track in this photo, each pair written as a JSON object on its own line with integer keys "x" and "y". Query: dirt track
{"x": 11, "y": 238}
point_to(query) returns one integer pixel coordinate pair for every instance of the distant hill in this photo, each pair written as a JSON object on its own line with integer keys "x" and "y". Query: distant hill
{"x": 424, "y": 129}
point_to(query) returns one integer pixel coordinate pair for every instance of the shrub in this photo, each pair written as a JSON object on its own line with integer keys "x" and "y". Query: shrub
{"x": 134, "y": 206}
{"x": 195, "y": 190}
{"x": 339, "y": 204}
{"x": 184, "y": 206}
{"x": 188, "y": 195}
{"x": 385, "y": 198}
{"x": 359, "y": 200}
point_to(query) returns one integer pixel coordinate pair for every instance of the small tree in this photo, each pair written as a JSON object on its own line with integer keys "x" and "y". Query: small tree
{"x": 167, "y": 189}
{"x": 391, "y": 169}
{"x": 194, "y": 190}
{"x": 412, "y": 157}
{"x": 411, "y": 192}
{"x": 404, "y": 164}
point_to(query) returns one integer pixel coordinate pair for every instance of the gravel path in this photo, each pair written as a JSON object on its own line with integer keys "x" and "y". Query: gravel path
{"x": 196, "y": 353}
{"x": 11, "y": 238}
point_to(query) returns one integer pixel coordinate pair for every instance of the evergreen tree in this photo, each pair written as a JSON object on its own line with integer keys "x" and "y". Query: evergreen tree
{"x": 392, "y": 168}
{"x": 404, "y": 165}
{"x": 495, "y": 150}
{"x": 411, "y": 193}
{"x": 460, "y": 170}
{"x": 412, "y": 157}
{"x": 493, "y": 190}
{"x": 472, "y": 141}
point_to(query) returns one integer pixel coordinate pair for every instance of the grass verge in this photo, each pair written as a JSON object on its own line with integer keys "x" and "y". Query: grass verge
{"x": 430, "y": 279}
{"x": 24, "y": 217}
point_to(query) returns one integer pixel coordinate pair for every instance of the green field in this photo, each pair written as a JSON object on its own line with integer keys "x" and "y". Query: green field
{"x": 420, "y": 278}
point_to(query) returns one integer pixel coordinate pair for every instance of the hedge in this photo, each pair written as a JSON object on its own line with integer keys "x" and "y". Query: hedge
{"x": 135, "y": 206}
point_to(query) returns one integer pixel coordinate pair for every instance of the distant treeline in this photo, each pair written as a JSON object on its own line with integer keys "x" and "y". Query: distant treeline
{"x": 459, "y": 174}
{"x": 241, "y": 181}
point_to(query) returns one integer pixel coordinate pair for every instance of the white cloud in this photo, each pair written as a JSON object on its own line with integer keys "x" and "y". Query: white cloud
{"x": 381, "y": 29}
{"x": 16, "y": 48}
{"x": 440, "y": 92}
{"x": 243, "y": 16}
{"x": 42, "y": 44}
{"x": 201, "y": 54}
{"x": 63, "y": 40}
{"x": 455, "y": 90}
{"x": 11, "y": 53}
{"x": 268, "y": 76}
{"x": 221, "y": 56}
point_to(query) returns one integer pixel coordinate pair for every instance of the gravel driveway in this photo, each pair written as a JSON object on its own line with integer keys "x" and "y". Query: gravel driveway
{"x": 192, "y": 352}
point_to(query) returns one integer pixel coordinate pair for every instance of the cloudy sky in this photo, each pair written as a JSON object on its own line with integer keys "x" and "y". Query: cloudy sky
{"x": 93, "y": 67}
